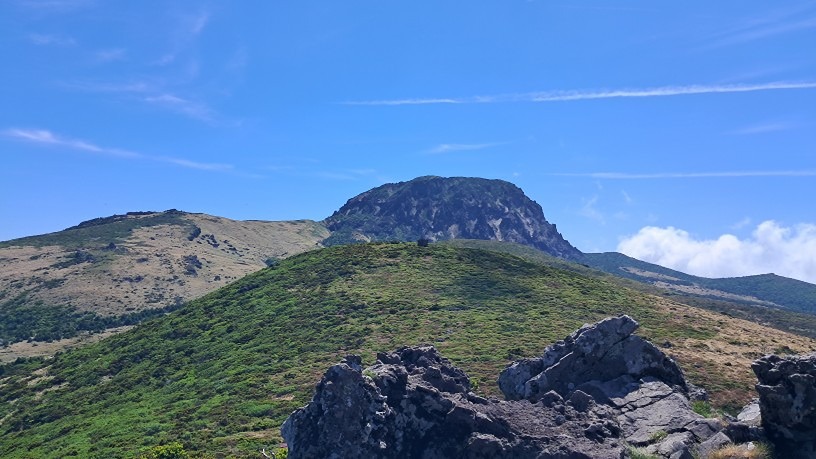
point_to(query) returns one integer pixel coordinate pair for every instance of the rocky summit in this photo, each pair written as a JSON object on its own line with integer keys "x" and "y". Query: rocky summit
{"x": 597, "y": 394}
{"x": 438, "y": 208}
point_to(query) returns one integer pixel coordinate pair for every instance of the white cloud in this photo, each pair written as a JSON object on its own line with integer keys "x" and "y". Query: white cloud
{"x": 186, "y": 32}
{"x": 590, "y": 210}
{"x": 684, "y": 175}
{"x": 628, "y": 199}
{"x": 786, "y": 251}
{"x": 765, "y": 28}
{"x": 184, "y": 106}
{"x": 452, "y": 147}
{"x": 562, "y": 96}
{"x": 764, "y": 128}
{"x": 55, "y": 6}
{"x": 51, "y": 40}
{"x": 110, "y": 55}
{"x": 48, "y": 138}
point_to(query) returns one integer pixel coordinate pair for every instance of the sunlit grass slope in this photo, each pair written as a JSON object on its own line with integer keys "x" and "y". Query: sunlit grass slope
{"x": 223, "y": 372}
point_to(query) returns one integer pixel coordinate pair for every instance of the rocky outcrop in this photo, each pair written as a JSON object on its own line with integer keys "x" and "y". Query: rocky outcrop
{"x": 645, "y": 388}
{"x": 594, "y": 394}
{"x": 599, "y": 359}
{"x": 438, "y": 208}
{"x": 414, "y": 404}
{"x": 787, "y": 401}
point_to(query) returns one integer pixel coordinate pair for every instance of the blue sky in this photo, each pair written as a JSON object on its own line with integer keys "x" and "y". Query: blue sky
{"x": 656, "y": 127}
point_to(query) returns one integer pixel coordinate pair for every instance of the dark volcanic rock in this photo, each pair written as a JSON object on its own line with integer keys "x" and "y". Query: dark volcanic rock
{"x": 600, "y": 359}
{"x": 787, "y": 401}
{"x": 414, "y": 404}
{"x": 645, "y": 389}
{"x": 437, "y": 208}
{"x": 591, "y": 395}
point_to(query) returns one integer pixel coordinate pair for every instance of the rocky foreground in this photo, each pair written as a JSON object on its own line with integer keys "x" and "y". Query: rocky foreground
{"x": 600, "y": 393}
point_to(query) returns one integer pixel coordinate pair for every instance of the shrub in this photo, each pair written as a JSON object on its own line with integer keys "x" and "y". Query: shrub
{"x": 170, "y": 451}
{"x": 702, "y": 408}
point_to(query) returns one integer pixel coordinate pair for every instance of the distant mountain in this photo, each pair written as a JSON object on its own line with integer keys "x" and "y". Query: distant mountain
{"x": 438, "y": 208}
{"x": 767, "y": 290}
{"x": 118, "y": 270}
{"x": 221, "y": 373}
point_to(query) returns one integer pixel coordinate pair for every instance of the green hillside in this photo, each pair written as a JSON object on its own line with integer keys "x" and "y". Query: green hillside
{"x": 606, "y": 266}
{"x": 223, "y": 372}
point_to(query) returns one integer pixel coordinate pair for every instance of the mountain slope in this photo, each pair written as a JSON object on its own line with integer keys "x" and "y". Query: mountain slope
{"x": 785, "y": 319}
{"x": 438, "y": 208}
{"x": 116, "y": 270}
{"x": 221, "y": 373}
{"x": 767, "y": 290}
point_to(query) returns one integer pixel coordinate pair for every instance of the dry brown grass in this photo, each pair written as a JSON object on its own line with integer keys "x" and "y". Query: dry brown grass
{"x": 760, "y": 451}
{"x": 729, "y": 353}
{"x": 151, "y": 272}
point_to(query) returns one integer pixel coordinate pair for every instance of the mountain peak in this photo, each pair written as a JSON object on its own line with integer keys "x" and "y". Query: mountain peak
{"x": 440, "y": 208}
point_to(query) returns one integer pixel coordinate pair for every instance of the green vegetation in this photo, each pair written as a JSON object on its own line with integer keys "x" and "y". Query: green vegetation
{"x": 639, "y": 453}
{"x": 221, "y": 374}
{"x": 22, "y": 319}
{"x": 659, "y": 436}
{"x": 102, "y": 231}
{"x": 703, "y": 408}
{"x": 174, "y": 450}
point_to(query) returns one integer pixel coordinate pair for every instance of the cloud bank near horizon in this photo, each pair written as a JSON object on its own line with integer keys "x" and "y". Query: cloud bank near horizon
{"x": 788, "y": 251}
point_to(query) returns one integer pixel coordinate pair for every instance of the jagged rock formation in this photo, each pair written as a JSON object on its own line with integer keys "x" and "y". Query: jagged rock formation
{"x": 787, "y": 401}
{"x": 414, "y": 404}
{"x": 646, "y": 389}
{"x": 438, "y": 208}
{"x": 594, "y": 394}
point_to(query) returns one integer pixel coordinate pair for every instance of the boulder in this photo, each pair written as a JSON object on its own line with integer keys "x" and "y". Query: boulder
{"x": 414, "y": 404}
{"x": 787, "y": 402}
{"x": 601, "y": 352}
{"x": 751, "y": 414}
{"x": 644, "y": 387}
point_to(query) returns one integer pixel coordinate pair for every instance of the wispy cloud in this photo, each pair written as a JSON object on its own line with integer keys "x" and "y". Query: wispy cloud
{"x": 346, "y": 174}
{"x": 454, "y": 147}
{"x": 42, "y": 39}
{"x": 45, "y": 137}
{"x": 55, "y": 6}
{"x": 99, "y": 86}
{"x": 589, "y": 209}
{"x": 764, "y": 128}
{"x": 48, "y": 138}
{"x": 152, "y": 93}
{"x": 783, "y": 22}
{"x": 110, "y": 55}
{"x": 184, "y": 106}
{"x": 188, "y": 29}
{"x": 561, "y": 95}
{"x": 685, "y": 175}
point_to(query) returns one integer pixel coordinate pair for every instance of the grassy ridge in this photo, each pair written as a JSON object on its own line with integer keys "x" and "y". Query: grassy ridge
{"x": 223, "y": 372}
{"x": 101, "y": 230}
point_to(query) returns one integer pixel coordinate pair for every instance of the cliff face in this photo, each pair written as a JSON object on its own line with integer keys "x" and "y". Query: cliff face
{"x": 438, "y": 208}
